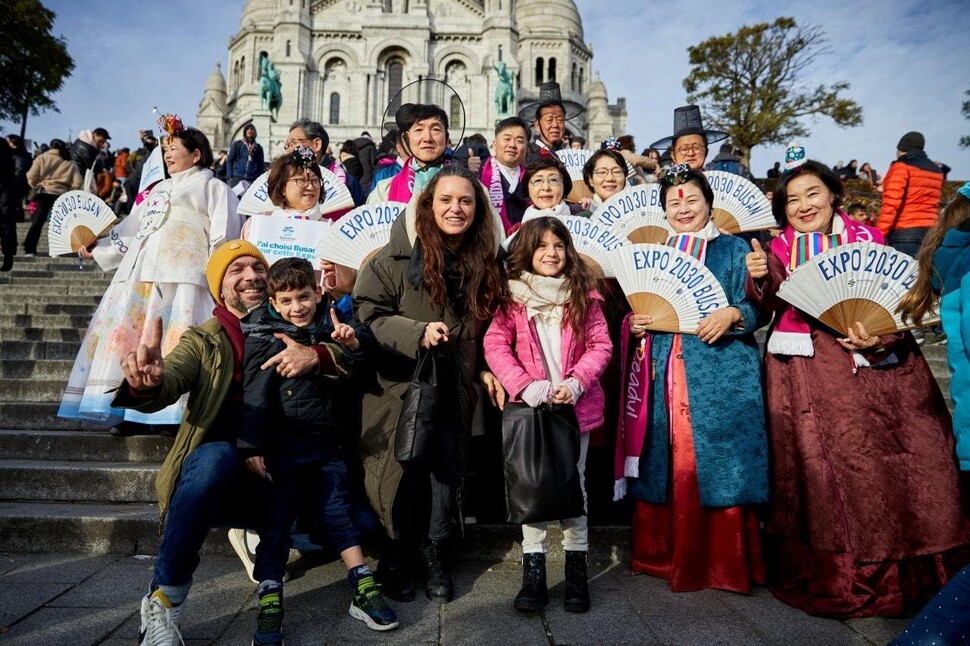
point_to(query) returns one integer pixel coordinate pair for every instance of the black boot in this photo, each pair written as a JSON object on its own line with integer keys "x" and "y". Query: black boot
{"x": 534, "y": 594}
{"x": 439, "y": 587}
{"x": 577, "y": 588}
{"x": 395, "y": 583}
{"x": 7, "y": 262}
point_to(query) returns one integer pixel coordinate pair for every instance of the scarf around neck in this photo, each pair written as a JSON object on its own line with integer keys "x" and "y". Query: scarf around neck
{"x": 543, "y": 296}
{"x": 695, "y": 242}
{"x": 412, "y": 179}
{"x": 492, "y": 179}
{"x": 561, "y": 210}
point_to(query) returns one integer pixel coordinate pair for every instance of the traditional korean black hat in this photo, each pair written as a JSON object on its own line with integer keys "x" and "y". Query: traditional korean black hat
{"x": 550, "y": 94}
{"x": 687, "y": 121}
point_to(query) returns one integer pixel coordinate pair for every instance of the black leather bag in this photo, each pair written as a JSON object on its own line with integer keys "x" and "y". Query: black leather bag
{"x": 541, "y": 451}
{"x": 416, "y": 421}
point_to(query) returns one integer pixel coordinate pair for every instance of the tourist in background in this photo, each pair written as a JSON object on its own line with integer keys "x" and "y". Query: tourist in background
{"x": 51, "y": 175}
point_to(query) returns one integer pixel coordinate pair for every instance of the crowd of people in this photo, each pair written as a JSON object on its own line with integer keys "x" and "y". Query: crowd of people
{"x": 341, "y": 398}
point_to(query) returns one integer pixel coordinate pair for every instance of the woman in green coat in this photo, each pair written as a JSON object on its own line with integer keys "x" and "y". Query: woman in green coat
{"x": 430, "y": 289}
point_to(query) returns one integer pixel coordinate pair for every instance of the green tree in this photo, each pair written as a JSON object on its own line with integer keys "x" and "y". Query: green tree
{"x": 965, "y": 139}
{"x": 748, "y": 84}
{"x": 33, "y": 62}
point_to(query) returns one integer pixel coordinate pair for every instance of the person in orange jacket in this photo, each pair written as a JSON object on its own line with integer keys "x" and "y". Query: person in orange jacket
{"x": 911, "y": 195}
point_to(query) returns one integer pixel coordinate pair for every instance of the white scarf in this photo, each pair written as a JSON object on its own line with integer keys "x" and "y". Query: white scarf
{"x": 561, "y": 210}
{"x": 543, "y": 296}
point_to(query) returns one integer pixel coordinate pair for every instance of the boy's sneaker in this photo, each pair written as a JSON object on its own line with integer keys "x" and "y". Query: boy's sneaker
{"x": 370, "y": 607}
{"x": 244, "y": 541}
{"x": 269, "y": 622}
{"x": 159, "y": 621}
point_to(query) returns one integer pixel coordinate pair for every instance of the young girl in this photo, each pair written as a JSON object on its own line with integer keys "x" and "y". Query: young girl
{"x": 550, "y": 343}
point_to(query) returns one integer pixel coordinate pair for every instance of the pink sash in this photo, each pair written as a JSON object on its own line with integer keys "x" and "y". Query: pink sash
{"x": 402, "y": 184}
{"x": 492, "y": 179}
{"x": 634, "y": 396}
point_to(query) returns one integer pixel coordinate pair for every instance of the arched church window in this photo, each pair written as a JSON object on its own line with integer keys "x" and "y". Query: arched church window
{"x": 387, "y": 6}
{"x": 242, "y": 70}
{"x": 539, "y": 65}
{"x": 454, "y": 116}
{"x": 335, "y": 109}
{"x": 288, "y": 49}
{"x": 572, "y": 79}
{"x": 581, "y": 77}
{"x": 395, "y": 81}
{"x": 552, "y": 69}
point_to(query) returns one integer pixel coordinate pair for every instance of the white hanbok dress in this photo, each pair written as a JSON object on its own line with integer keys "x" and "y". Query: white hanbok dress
{"x": 160, "y": 252}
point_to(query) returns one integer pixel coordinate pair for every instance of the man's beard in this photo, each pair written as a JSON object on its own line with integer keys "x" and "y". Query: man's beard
{"x": 235, "y": 300}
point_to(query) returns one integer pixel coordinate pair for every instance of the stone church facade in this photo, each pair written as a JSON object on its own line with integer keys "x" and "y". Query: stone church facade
{"x": 342, "y": 62}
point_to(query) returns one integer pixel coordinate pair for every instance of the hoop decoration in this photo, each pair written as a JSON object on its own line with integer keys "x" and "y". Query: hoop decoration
{"x": 739, "y": 205}
{"x": 856, "y": 282}
{"x": 77, "y": 218}
{"x": 356, "y": 237}
{"x": 255, "y": 201}
{"x": 673, "y": 287}
{"x": 635, "y": 214}
{"x": 388, "y": 125}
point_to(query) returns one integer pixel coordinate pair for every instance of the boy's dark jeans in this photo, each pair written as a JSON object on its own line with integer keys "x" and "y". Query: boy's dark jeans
{"x": 308, "y": 466}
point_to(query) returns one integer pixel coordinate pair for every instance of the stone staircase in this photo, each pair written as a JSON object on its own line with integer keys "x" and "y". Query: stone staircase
{"x": 72, "y": 487}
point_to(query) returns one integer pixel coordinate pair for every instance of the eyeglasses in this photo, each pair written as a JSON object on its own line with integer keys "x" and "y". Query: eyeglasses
{"x": 686, "y": 150}
{"x": 303, "y": 182}
{"x": 603, "y": 173}
{"x": 295, "y": 142}
{"x": 539, "y": 182}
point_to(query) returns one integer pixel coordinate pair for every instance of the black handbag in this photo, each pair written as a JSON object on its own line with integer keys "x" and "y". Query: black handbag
{"x": 420, "y": 408}
{"x": 541, "y": 451}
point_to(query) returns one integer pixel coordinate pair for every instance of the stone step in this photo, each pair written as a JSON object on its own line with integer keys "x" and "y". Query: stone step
{"x": 44, "y": 333}
{"x": 134, "y": 529}
{"x": 79, "y": 321}
{"x": 27, "y": 369}
{"x": 39, "y": 349}
{"x": 40, "y": 416}
{"x": 17, "y": 292}
{"x": 27, "y": 277}
{"x": 82, "y": 446}
{"x": 72, "y": 481}
{"x": 18, "y": 303}
{"x": 51, "y": 308}
{"x": 32, "y": 390}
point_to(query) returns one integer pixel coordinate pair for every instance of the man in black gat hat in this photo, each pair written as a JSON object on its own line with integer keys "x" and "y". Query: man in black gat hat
{"x": 550, "y": 114}
{"x": 688, "y": 145}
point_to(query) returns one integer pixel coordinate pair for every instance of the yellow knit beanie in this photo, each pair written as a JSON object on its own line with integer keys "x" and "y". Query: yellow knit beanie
{"x": 221, "y": 258}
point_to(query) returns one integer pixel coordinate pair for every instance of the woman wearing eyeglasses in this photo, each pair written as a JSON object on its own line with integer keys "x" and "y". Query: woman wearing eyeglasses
{"x": 605, "y": 174}
{"x": 548, "y": 184}
{"x": 294, "y": 186}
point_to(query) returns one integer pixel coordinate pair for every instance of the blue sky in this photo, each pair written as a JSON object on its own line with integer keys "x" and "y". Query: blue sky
{"x": 906, "y": 61}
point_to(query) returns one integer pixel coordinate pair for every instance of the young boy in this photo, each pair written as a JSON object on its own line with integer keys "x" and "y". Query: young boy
{"x": 288, "y": 437}
{"x": 858, "y": 213}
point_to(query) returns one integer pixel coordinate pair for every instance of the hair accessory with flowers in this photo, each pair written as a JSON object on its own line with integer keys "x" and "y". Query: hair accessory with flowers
{"x": 794, "y": 157}
{"x": 611, "y": 144}
{"x": 965, "y": 190}
{"x": 170, "y": 123}
{"x": 304, "y": 156}
{"x": 676, "y": 175}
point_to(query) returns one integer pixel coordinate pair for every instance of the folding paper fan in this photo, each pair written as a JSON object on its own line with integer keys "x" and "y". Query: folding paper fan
{"x": 635, "y": 214}
{"x": 739, "y": 205}
{"x": 255, "y": 201}
{"x": 857, "y": 282}
{"x": 671, "y": 286}
{"x": 355, "y": 237}
{"x": 593, "y": 242}
{"x": 76, "y": 220}
{"x": 574, "y": 160}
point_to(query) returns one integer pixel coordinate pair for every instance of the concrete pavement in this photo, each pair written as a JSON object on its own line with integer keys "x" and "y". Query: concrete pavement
{"x": 81, "y": 599}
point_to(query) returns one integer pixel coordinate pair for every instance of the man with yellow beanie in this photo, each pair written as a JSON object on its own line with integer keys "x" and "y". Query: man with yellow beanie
{"x": 203, "y": 483}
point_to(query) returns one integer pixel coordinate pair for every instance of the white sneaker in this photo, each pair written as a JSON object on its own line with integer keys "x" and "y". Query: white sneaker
{"x": 244, "y": 541}
{"x": 159, "y": 621}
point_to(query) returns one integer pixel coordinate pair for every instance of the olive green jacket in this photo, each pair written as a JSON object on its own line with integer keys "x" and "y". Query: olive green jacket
{"x": 202, "y": 365}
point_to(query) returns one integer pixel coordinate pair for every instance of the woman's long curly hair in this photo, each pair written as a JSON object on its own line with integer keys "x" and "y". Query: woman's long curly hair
{"x": 480, "y": 272}
{"x": 922, "y": 298}
{"x": 579, "y": 280}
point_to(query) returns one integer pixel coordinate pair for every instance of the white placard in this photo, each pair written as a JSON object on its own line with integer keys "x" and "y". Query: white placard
{"x": 153, "y": 171}
{"x": 279, "y": 237}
